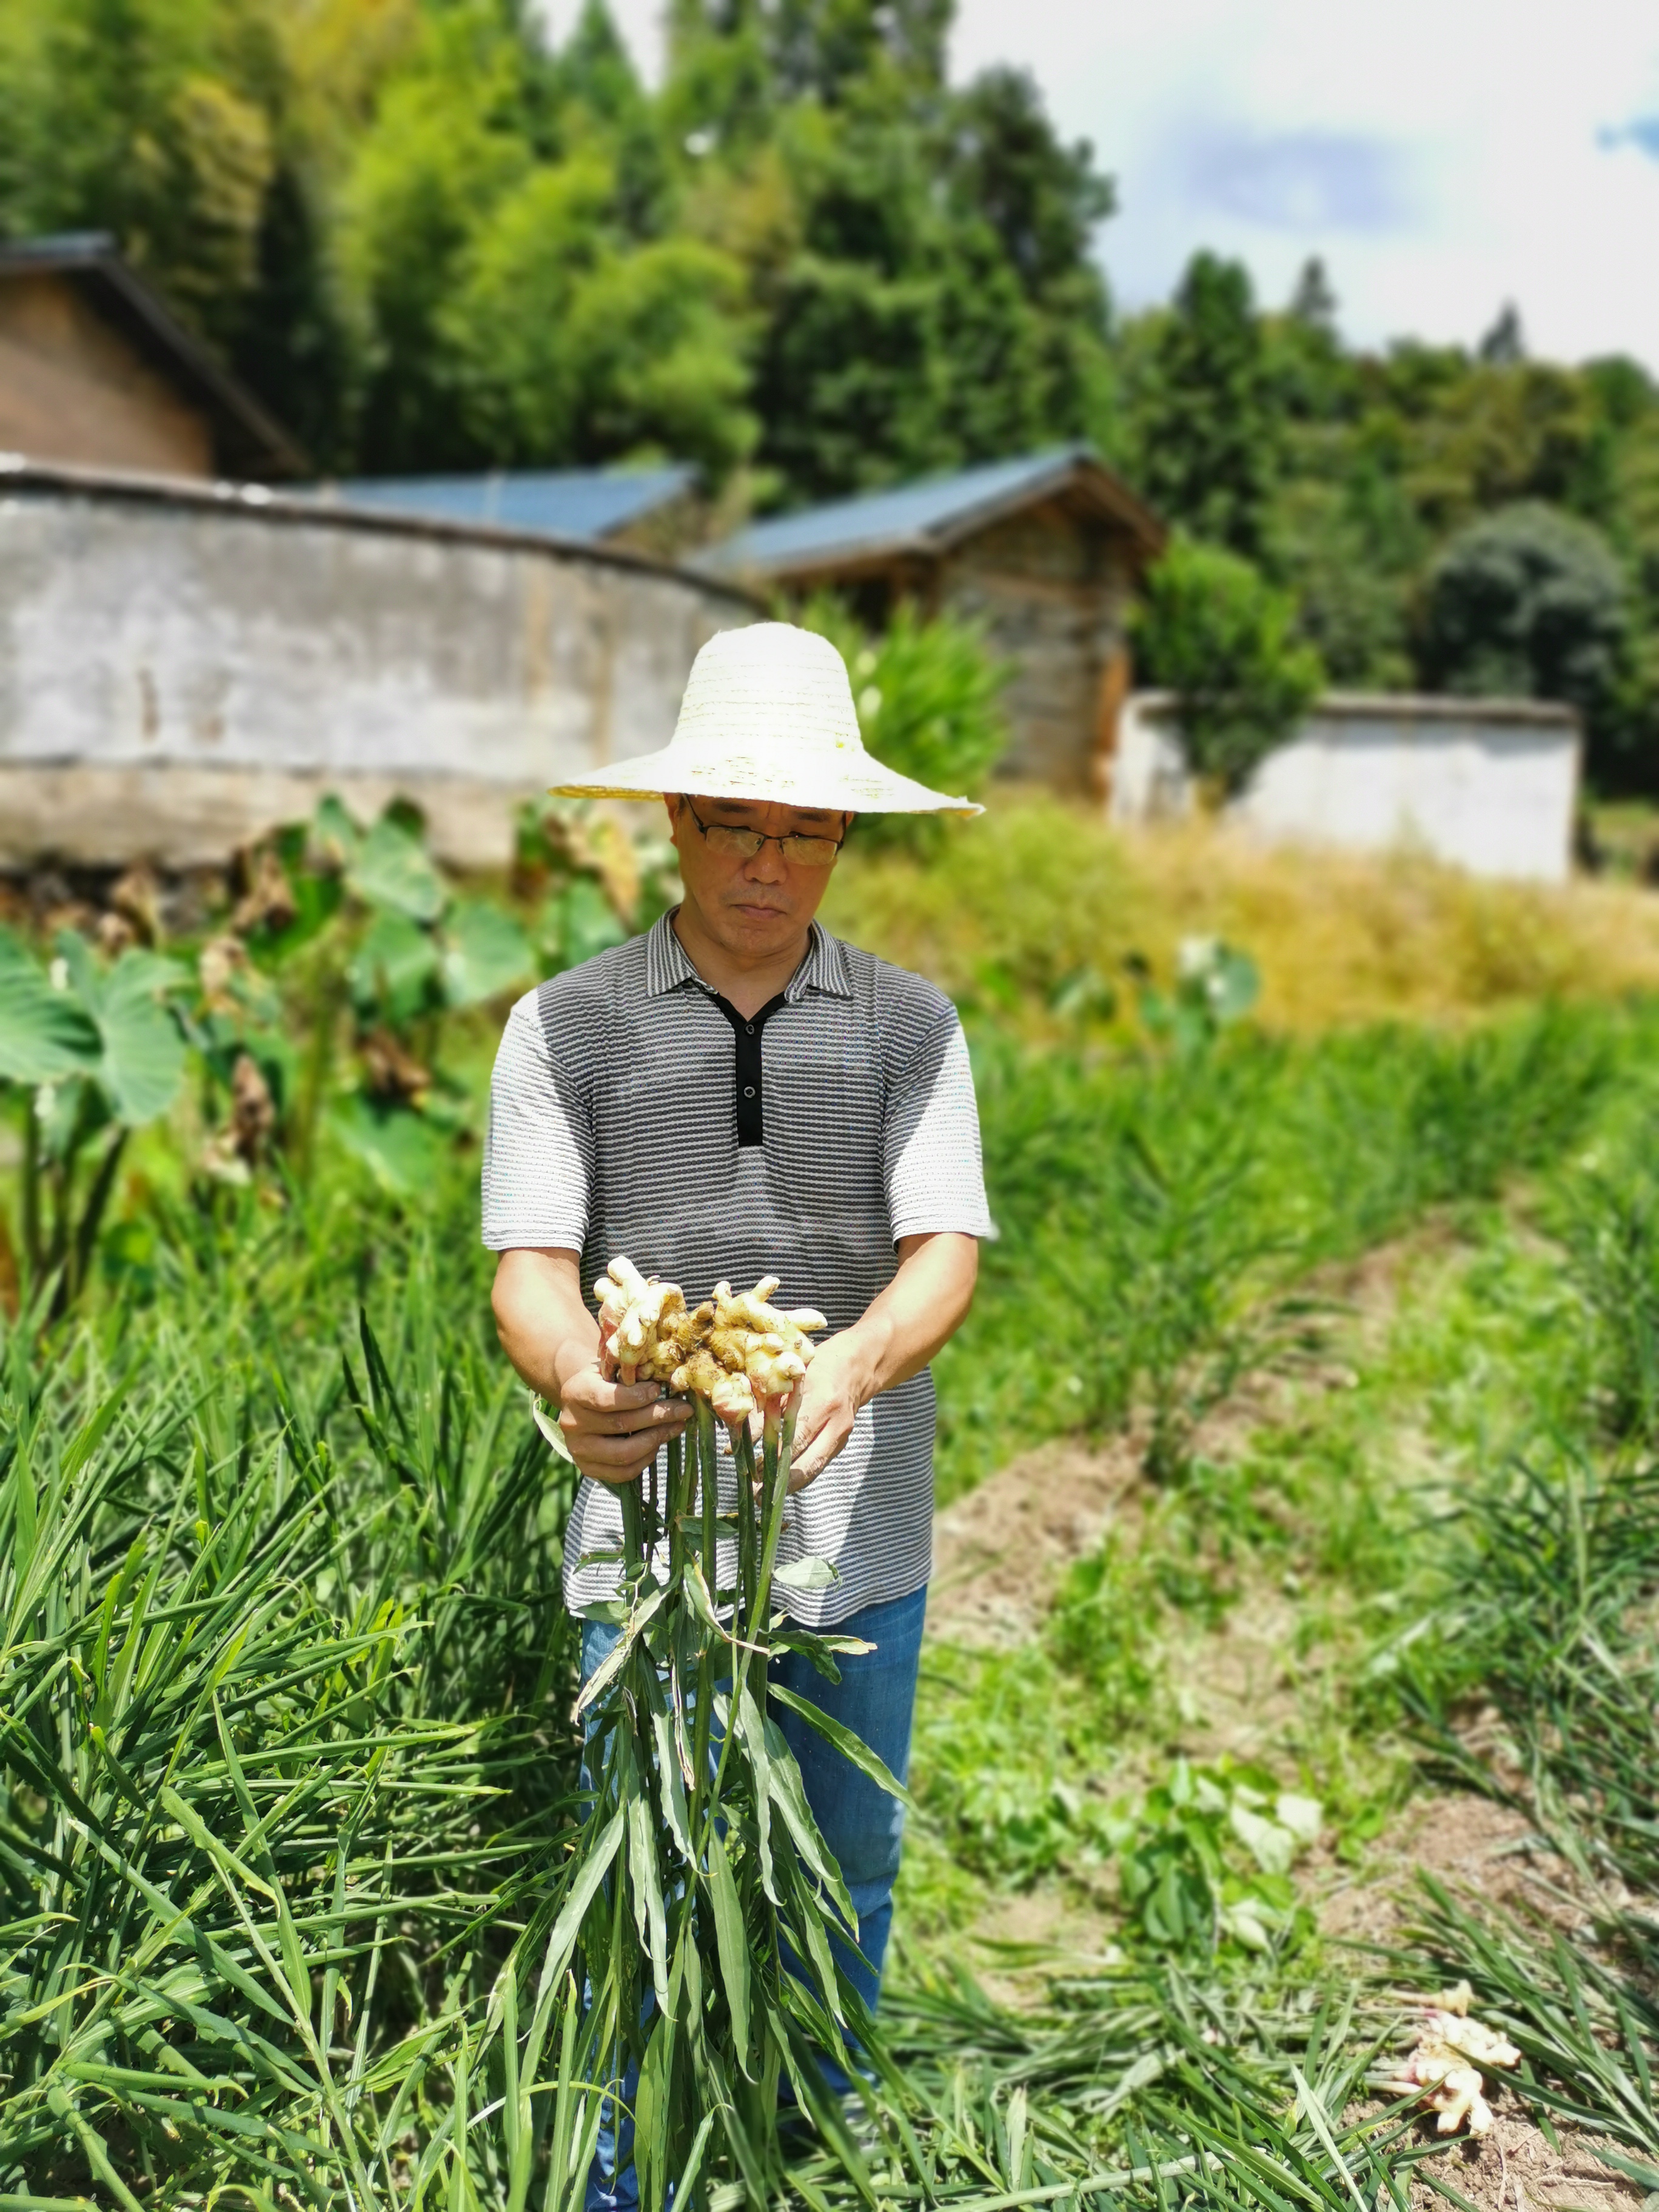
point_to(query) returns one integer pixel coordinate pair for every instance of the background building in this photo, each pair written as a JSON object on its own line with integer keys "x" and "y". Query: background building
{"x": 94, "y": 370}
{"x": 1044, "y": 550}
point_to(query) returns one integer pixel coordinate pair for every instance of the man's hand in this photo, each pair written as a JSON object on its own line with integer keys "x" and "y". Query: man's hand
{"x": 837, "y": 1385}
{"x": 920, "y": 1310}
{"x": 613, "y": 1430}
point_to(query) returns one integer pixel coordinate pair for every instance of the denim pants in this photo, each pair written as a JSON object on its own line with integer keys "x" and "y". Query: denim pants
{"x": 864, "y": 1827}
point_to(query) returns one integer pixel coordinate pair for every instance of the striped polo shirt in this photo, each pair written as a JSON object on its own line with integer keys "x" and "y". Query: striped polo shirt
{"x": 615, "y": 1127}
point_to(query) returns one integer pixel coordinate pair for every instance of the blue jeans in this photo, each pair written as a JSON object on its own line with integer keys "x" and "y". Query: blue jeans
{"x": 864, "y": 1827}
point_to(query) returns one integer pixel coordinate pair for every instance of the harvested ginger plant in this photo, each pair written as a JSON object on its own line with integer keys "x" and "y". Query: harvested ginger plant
{"x": 700, "y": 1867}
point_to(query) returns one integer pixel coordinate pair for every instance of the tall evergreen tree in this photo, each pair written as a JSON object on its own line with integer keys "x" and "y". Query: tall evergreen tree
{"x": 1207, "y": 432}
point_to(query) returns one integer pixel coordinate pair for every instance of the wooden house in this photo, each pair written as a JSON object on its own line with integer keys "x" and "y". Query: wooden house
{"x": 1044, "y": 551}
{"x": 96, "y": 372}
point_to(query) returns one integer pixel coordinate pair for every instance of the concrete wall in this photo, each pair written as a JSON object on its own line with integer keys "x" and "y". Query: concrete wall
{"x": 1052, "y": 593}
{"x": 73, "y": 388}
{"x": 181, "y": 668}
{"x": 1489, "y": 785}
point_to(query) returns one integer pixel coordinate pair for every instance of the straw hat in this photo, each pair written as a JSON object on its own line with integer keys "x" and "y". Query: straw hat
{"x": 767, "y": 715}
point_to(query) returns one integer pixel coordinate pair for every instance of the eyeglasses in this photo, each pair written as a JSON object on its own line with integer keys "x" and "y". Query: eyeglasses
{"x": 743, "y": 844}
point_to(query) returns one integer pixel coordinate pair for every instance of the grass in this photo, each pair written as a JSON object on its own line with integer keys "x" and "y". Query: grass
{"x": 1186, "y": 1201}
{"x": 285, "y": 1680}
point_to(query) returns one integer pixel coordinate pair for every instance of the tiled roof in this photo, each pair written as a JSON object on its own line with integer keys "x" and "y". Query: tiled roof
{"x": 924, "y": 517}
{"x": 590, "y": 503}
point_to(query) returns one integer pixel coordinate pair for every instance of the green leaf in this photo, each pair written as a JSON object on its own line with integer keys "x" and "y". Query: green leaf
{"x": 394, "y": 969}
{"x": 336, "y": 835}
{"x": 143, "y": 1066}
{"x": 43, "y": 1033}
{"x": 485, "y": 953}
{"x": 733, "y": 1944}
{"x": 392, "y": 869}
{"x": 580, "y": 922}
{"x": 851, "y": 1746}
{"x": 398, "y": 1146}
{"x": 789, "y": 1793}
{"x": 806, "y": 1575}
{"x": 650, "y": 1912}
{"x": 1272, "y": 1847}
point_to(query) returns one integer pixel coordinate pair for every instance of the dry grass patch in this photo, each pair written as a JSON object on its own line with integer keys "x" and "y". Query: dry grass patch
{"x": 1038, "y": 893}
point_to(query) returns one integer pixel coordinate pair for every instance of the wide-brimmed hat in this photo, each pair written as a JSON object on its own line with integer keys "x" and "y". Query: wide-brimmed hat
{"x": 767, "y": 715}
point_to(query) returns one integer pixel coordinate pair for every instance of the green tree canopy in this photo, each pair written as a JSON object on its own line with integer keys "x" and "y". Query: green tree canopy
{"x": 1206, "y": 432}
{"x": 1529, "y": 603}
{"x": 1216, "y": 633}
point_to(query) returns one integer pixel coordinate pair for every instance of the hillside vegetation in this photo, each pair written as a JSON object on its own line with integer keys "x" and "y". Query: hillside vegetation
{"x": 813, "y": 264}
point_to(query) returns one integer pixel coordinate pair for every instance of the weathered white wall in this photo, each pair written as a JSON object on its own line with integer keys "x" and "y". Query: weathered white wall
{"x": 1487, "y": 784}
{"x": 180, "y": 668}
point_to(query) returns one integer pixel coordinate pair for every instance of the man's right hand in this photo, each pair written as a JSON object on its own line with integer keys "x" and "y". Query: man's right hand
{"x": 613, "y": 1430}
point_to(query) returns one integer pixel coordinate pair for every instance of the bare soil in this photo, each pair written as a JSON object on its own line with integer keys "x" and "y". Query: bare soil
{"x": 1000, "y": 1552}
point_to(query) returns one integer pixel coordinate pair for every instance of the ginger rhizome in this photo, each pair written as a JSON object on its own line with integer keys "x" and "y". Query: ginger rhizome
{"x": 1447, "y": 2065}
{"x": 737, "y": 1350}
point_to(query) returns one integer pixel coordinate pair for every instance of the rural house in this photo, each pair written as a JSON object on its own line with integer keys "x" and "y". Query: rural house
{"x": 96, "y": 372}
{"x": 1044, "y": 550}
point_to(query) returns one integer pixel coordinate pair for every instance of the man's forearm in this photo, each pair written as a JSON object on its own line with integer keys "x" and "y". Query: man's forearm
{"x": 544, "y": 1324}
{"x": 895, "y": 1337}
{"x": 918, "y": 1313}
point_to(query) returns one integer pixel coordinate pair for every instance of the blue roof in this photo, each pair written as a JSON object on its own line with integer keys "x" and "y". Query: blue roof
{"x": 543, "y": 502}
{"x": 916, "y": 516}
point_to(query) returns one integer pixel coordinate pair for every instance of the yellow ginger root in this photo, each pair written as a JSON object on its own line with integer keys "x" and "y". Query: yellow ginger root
{"x": 633, "y": 1314}
{"x": 1447, "y": 2064}
{"x": 698, "y": 1375}
{"x": 737, "y": 1350}
{"x": 749, "y": 1309}
{"x": 732, "y": 1399}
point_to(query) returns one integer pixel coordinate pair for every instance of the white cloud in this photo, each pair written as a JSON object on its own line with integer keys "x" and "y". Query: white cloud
{"x": 1443, "y": 156}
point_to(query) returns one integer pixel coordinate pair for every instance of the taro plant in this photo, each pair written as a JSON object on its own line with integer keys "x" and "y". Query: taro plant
{"x": 929, "y": 699}
{"x": 88, "y": 1053}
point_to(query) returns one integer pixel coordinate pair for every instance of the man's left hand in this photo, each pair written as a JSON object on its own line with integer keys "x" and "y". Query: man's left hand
{"x": 830, "y": 1396}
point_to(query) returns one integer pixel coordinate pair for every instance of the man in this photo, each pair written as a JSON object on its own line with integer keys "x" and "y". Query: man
{"x": 734, "y": 1094}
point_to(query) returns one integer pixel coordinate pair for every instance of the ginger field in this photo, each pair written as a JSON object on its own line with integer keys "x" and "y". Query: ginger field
{"x": 1293, "y": 1640}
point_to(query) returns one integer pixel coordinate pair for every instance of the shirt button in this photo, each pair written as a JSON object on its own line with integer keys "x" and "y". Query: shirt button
{"x": 748, "y": 1090}
{"x": 750, "y": 1026}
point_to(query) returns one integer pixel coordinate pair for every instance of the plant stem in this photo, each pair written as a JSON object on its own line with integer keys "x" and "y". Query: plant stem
{"x": 678, "y": 1498}
{"x": 633, "y": 1541}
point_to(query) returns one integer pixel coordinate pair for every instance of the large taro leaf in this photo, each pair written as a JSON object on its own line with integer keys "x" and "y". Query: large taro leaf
{"x": 580, "y": 922}
{"x": 485, "y": 953}
{"x": 44, "y": 1034}
{"x": 399, "y": 1146}
{"x": 393, "y": 967}
{"x": 391, "y": 868}
{"x": 141, "y": 1063}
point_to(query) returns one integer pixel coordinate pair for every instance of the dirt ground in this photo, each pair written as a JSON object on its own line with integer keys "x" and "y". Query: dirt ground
{"x": 999, "y": 1555}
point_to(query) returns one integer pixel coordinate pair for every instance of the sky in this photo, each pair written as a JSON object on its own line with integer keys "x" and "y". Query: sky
{"x": 1443, "y": 157}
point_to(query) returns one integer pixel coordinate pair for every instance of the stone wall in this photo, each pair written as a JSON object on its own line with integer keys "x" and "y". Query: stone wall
{"x": 1488, "y": 785}
{"x": 179, "y": 668}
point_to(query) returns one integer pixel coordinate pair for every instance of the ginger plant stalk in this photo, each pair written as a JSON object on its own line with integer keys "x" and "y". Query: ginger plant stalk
{"x": 704, "y": 1898}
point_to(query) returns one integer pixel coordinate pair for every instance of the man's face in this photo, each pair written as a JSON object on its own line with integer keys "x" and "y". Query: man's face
{"x": 756, "y": 906}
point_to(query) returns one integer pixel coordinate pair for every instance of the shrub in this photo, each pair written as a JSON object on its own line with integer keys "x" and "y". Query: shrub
{"x": 1217, "y": 634}
{"x": 1529, "y": 602}
{"x": 929, "y": 698}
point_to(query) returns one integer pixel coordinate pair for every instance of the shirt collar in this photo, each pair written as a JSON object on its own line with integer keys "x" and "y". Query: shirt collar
{"x": 824, "y": 969}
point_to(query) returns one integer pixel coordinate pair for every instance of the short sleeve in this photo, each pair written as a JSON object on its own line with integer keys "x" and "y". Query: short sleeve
{"x": 930, "y": 1140}
{"x": 538, "y": 1148}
